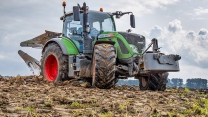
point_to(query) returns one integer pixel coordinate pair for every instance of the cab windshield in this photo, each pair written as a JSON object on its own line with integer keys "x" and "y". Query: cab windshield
{"x": 99, "y": 21}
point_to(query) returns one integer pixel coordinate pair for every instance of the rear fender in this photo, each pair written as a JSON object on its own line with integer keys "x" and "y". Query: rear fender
{"x": 67, "y": 47}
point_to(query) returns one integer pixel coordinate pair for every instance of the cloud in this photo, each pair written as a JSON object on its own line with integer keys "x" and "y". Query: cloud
{"x": 191, "y": 35}
{"x": 175, "y": 26}
{"x": 158, "y": 3}
{"x": 203, "y": 31}
{"x": 155, "y": 32}
{"x": 200, "y": 11}
{"x": 139, "y": 7}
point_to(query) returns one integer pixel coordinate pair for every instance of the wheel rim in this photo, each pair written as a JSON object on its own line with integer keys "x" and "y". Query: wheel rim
{"x": 144, "y": 82}
{"x": 51, "y": 68}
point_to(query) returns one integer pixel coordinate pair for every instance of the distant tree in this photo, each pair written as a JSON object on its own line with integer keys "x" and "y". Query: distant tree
{"x": 196, "y": 83}
{"x": 169, "y": 83}
{"x": 178, "y": 82}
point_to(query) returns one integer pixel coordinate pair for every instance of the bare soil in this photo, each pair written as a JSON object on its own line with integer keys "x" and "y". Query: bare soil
{"x": 30, "y": 96}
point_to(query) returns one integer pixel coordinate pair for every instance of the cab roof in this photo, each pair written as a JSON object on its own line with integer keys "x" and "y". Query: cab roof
{"x": 81, "y": 11}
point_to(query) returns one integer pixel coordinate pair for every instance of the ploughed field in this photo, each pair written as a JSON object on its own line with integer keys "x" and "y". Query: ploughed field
{"x": 34, "y": 96}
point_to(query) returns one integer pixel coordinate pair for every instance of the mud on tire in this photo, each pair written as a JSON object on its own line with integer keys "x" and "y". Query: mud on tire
{"x": 153, "y": 82}
{"x": 51, "y": 56}
{"x": 103, "y": 66}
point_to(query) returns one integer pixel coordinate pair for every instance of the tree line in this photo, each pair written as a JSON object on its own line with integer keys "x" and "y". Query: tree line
{"x": 197, "y": 83}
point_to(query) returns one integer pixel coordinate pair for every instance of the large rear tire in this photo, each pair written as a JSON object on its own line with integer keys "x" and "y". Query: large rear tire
{"x": 153, "y": 82}
{"x": 54, "y": 64}
{"x": 103, "y": 66}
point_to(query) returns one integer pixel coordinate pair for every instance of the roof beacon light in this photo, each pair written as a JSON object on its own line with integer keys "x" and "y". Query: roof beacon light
{"x": 64, "y": 4}
{"x": 101, "y": 9}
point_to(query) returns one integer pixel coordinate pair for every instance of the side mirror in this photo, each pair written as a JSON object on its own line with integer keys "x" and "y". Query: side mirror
{"x": 132, "y": 21}
{"x": 76, "y": 13}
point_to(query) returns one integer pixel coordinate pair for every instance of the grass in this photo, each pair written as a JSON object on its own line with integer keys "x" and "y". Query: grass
{"x": 169, "y": 114}
{"x": 48, "y": 104}
{"x": 197, "y": 107}
{"x": 105, "y": 115}
{"x": 182, "y": 95}
{"x": 76, "y": 104}
{"x": 30, "y": 109}
{"x": 186, "y": 90}
{"x": 122, "y": 107}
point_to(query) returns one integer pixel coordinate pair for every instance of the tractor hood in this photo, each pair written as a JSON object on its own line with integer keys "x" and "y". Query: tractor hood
{"x": 134, "y": 39}
{"x": 131, "y": 39}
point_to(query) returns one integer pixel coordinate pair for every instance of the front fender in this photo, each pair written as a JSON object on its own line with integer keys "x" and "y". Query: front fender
{"x": 104, "y": 42}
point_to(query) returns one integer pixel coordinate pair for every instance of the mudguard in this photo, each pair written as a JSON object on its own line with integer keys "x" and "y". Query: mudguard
{"x": 66, "y": 45}
{"x": 104, "y": 42}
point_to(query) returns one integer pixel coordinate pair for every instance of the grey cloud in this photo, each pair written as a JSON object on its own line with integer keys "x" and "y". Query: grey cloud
{"x": 203, "y": 38}
{"x": 155, "y": 32}
{"x": 200, "y": 11}
{"x": 175, "y": 26}
{"x": 203, "y": 31}
{"x": 191, "y": 35}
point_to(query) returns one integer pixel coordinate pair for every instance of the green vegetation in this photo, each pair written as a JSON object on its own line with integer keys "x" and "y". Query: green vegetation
{"x": 169, "y": 114}
{"x": 182, "y": 95}
{"x": 76, "y": 104}
{"x": 122, "y": 107}
{"x": 48, "y": 104}
{"x": 198, "y": 107}
{"x": 186, "y": 90}
{"x": 106, "y": 115}
{"x": 30, "y": 109}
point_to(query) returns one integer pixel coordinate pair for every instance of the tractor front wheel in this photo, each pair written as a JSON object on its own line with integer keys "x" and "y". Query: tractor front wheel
{"x": 153, "y": 82}
{"x": 103, "y": 66}
{"x": 54, "y": 63}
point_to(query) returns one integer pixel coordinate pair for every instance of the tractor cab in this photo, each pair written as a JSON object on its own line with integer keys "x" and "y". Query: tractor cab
{"x": 98, "y": 22}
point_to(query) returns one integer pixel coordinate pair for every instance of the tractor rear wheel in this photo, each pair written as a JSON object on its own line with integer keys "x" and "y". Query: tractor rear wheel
{"x": 54, "y": 64}
{"x": 153, "y": 82}
{"x": 103, "y": 66}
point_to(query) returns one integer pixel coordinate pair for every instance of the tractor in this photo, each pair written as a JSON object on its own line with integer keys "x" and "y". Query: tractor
{"x": 90, "y": 49}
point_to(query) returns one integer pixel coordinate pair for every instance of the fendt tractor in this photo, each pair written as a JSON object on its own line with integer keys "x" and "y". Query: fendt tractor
{"x": 90, "y": 49}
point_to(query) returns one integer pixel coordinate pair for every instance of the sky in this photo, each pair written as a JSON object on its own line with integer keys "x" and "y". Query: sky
{"x": 179, "y": 25}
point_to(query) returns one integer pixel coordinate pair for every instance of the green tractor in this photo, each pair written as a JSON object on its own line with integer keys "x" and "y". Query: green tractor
{"x": 89, "y": 48}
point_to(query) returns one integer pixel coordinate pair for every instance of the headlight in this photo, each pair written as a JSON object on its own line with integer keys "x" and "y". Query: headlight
{"x": 134, "y": 48}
